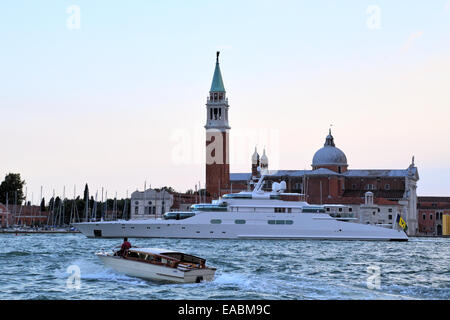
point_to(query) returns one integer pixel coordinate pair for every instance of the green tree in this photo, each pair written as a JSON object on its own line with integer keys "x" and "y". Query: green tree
{"x": 13, "y": 187}
{"x": 43, "y": 204}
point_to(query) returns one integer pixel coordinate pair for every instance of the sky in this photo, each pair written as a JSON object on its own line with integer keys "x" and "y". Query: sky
{"x": 113, "y": 93}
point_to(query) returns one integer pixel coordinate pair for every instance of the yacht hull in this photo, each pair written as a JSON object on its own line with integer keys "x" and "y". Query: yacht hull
{"x": 243, "y": 226}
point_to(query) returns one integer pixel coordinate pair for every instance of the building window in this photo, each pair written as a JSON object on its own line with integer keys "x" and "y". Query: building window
{"x": 431, "y": 216}
{"x": 390, "y": 217}
{"x": 387, "y": 186}
{"x": 424, "y": 217}
{"x": 353, "y": 186}
{"x": 349, "y": 209}
{"x": 390, "y": 209}
{"x": 340, "y": 209}
{"x": 370, "y": 187}
{"x": 136, "y": 210}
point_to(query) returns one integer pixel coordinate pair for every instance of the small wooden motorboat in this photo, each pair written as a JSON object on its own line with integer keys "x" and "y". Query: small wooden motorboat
{"x": 159, "y": 264}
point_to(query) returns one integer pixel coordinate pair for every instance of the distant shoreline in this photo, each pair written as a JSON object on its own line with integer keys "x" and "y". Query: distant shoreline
{"x": 39, "y": 231}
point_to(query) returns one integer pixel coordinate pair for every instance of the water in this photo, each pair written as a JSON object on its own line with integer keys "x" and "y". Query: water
{"x": 35, "y": 267}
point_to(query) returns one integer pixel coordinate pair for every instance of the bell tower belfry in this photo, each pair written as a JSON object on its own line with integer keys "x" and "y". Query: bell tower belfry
{"x": 217, "y": 137}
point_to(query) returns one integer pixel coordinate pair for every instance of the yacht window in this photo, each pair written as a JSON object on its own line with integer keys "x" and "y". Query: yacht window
{"x": 216, "y": 221}
{"x": 280, "y": 222}
{"x": 239, "y": 221}
{"x": 271, "y": 221}
{"x": 289, "y": 222}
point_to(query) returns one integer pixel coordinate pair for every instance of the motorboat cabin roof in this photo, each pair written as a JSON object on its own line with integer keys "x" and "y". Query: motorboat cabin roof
{"x": 178, "y": 255}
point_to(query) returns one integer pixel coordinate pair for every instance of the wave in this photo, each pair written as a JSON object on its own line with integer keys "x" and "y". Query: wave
{"x": 15, "y": 254}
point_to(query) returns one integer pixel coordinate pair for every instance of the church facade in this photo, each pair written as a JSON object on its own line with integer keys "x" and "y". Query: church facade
{"x": 373, "y": 196}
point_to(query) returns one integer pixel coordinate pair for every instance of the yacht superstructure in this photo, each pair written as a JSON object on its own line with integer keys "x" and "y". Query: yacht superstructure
{"x": 254, "y": 214}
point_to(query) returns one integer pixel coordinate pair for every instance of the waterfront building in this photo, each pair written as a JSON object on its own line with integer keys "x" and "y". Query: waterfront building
{"x": 150, "y": 203}
{"x": 22, "y": 215}
{"x": 6, "y": 218}
{"x": 431, "y": 213}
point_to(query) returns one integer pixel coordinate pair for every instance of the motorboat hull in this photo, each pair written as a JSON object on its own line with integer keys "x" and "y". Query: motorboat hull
{"x": 154, "y": 272}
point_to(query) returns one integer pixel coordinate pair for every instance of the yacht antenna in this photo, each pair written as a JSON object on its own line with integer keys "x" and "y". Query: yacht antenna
{"x": 258, "y": 186}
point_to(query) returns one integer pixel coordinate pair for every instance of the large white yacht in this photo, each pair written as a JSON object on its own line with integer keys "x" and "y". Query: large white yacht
{"x": 254, "y": 214}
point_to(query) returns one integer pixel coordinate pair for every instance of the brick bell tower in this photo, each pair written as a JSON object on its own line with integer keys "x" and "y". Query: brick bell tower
{"x": 217, "y": 137}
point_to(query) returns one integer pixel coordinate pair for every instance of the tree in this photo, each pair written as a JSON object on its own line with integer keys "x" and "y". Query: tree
{"x": 13, "y": 186}
{"x": 86, "y": 193}
{"x": 43, "y": 204}
{"x": 86, "y": 200}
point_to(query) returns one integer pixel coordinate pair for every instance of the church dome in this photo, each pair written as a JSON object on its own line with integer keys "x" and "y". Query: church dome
{"x": 329, "y": 154}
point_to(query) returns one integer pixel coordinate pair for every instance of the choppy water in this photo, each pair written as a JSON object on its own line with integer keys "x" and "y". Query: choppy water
{"x": 35, "y": 267}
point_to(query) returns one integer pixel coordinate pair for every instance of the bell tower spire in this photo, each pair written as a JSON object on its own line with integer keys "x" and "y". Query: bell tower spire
{"x": 217, "y": 136}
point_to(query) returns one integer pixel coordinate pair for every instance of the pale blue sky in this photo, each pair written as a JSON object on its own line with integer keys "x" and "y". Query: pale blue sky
{"x": 104, "y": 104}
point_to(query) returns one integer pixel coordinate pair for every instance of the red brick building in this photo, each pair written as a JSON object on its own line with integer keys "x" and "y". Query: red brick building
{"x": 430, "y": 213}
{"x": 22, "y": 215}
{"x": 6, "y": 218}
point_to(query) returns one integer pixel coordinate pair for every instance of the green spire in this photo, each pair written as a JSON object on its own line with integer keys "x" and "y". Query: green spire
{"x": 217, "y": 83}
